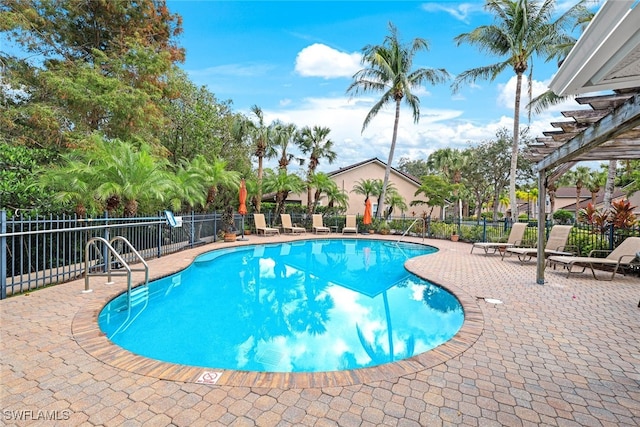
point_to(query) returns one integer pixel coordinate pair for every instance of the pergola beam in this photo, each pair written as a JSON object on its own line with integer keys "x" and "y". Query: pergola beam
{"x": 622, "y": 119}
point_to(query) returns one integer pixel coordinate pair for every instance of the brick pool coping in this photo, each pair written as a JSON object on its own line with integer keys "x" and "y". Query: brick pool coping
{"x": 89, "y": 337}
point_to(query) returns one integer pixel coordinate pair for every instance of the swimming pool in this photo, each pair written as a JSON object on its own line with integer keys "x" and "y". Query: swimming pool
{"x": 309, "y": 306}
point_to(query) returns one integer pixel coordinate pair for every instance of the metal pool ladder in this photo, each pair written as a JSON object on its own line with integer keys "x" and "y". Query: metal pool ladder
{"x": 107, "y": 256}
{"x": 409, "y": 228}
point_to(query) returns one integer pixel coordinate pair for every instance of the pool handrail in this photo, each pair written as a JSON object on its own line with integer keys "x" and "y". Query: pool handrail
{"x": 111, "y": 251}
{"x": 411, "y": 225}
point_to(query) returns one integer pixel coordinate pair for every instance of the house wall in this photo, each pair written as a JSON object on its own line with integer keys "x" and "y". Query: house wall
{"x": 346, "y": 179}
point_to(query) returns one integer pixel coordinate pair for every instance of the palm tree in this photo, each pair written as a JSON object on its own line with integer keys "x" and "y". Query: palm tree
{"x": 284, "y": 134}
{"x": 214, "y": 175}
{"x": 322, "y": 184}
{"x": 130, "y": 175}
{"x": 282, "y": 183}
{"x": 577, "y": 177}
{"x": 71, "y": 183}
{"x": 189, "y": 188}
{"x": 597, "y": 179}
{"x": 523, "y": 28}
{"x": 365, "y": 187}
{"x": 314, "y": 142}
{"x": 609, "y": 186}
{"x": 389, "y": 71}
{"x": 263, "y": 144}
{"x": 394, "y": 200}
{"x": 338, "y": 199}
{"x": 450, "y": 162}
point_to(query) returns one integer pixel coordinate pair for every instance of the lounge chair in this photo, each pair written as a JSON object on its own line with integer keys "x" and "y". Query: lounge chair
{"x": 261, "y": 225}
{"x": 515, "y": 237}
{"x": 621, "y": 256}
{"x": 556, "y": 245}
{"x": 350, "y": 226}
{"x": 288, "y": 227}
{"x": 318, "y": 225}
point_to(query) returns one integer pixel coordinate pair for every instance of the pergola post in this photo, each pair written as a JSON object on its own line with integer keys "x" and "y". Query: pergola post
{"x": 542, "y": 222}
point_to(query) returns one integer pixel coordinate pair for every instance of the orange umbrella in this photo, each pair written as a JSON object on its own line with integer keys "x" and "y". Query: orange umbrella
{"x": 366, "y": 219}
{"x": 242, "y": 209}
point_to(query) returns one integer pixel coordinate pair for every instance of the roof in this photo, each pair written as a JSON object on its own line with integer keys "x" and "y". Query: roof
{"x": 375, "y": 160}
{"x": 607, "y": 55}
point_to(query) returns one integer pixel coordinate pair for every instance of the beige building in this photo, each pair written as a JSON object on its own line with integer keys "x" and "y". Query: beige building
{"x": 347, "y": 177}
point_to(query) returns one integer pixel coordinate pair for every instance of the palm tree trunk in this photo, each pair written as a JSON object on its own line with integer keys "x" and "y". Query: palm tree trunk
{"x": 514, "y": 150}
{"x": 387, "y": 169}
{"x": 259, "y": 196}
{"x": 610, "y": 184}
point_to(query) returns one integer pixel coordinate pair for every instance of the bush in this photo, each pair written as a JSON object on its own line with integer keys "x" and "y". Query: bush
{"x": 562, "y": 216}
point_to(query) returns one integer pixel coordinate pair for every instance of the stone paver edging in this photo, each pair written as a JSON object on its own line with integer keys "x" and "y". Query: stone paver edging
{"x": 88, "y": 335}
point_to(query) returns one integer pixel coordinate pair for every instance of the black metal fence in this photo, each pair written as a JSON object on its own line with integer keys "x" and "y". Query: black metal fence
{"x": 38, "y": 252}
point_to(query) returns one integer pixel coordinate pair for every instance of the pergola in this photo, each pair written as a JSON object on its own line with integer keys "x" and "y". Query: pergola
{"x": 605, "y": 58}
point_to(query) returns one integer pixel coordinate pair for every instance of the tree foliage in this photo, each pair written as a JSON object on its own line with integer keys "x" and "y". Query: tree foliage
{"x": 88, "y": 66}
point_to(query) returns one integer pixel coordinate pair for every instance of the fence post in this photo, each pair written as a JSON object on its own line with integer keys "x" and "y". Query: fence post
{"x": 3, "y": 255}
{"x": 106, "y": 255}
{"x": 193, "y": 229}
{"x": 160, "y": 235}
{"x": 612, "y": 235}
{"x": 484, "y": 229}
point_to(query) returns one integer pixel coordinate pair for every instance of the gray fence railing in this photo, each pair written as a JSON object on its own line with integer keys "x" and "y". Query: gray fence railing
{"x": 38, "y": 252}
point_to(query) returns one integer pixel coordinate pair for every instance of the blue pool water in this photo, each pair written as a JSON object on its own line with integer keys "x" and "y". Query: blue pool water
{"x": 308, "y": 306}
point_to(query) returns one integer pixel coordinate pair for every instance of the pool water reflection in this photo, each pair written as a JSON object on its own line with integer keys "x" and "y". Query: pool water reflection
{"x": 308, "y": 306}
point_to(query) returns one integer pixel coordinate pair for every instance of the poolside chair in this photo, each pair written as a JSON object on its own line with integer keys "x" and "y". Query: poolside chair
{"x": 350, "y": 226}
{"x": 556, "y": 245}
{"x": 318, "y": 225}
{"x": 288, "y": 227}
{"x": 515, "y": 237}
{"x": 261, "y": 225}
{"x": 622, "y": 256}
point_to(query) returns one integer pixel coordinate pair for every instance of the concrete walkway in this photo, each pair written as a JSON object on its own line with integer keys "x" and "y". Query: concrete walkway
{"x": 563, "y": 354}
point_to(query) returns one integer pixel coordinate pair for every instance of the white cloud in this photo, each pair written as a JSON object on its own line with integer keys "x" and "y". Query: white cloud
{"x": 461, "y": 12}
{"x": 319, "y": 60}
{"x": 507, "y": 95}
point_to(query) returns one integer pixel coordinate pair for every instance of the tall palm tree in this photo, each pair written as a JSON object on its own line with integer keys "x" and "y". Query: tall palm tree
{"x": 597, "y": 179}
{"x": 261, "y": 136}
{"x": 389, "y": 71}
{"x": 450, "y": 162}
{"x": 314, "y": 142}
{"x": 522, "y": 29}
{"x": 284, "y": 135}
{"x": 610, "y": 184}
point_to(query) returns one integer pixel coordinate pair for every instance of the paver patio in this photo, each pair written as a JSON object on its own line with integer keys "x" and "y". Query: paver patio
{"x": 566, "y": 353}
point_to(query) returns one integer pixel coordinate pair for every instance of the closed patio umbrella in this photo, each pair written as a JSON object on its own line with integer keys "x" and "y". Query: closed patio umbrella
{"x": 366, "y": 219}
{"x": 242, "y": 209}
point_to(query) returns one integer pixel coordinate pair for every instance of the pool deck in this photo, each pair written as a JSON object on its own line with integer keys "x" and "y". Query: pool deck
{"x": 566, "y": 353}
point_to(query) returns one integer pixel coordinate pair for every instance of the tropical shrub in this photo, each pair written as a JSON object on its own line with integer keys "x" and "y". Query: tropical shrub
{"x": 622, "y": 215}
{"x": 562, "y": 216}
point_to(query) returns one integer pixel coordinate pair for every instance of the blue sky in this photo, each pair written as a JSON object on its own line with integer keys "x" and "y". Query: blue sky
{"x": 295, "y": 60}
